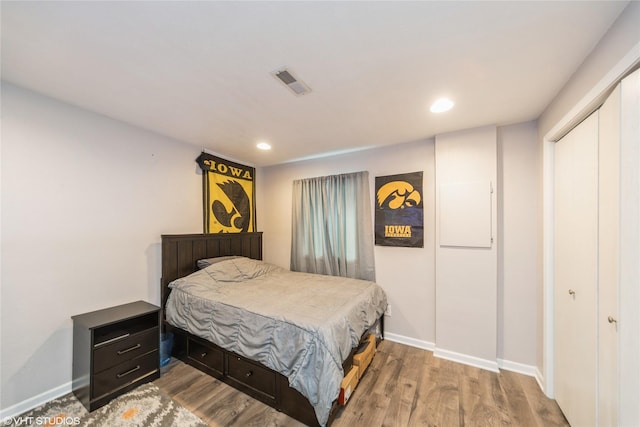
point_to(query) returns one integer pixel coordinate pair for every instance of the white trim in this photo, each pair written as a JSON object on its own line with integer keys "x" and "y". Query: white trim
{"x": 412, "y": 342}
{"x": 489, "y": 365}
{"x": 35, "y": 401}
{"x": 592, "y": 98}
{"x": 547, "y": 267}
{"x": 539, "y": 378}
{"x": 520, "y": 368}
{"x": 507, "y": 365}
{"x": 596, "y": 95}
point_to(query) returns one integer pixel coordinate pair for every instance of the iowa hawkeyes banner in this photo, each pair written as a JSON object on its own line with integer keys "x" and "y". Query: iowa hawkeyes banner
{"x": 228, "y": 195}
{"x": 399, "y": 213}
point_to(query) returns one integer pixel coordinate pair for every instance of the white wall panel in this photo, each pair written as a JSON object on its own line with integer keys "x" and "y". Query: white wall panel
{"x": 465, "y": 214}
{"x": 466, "y": 278}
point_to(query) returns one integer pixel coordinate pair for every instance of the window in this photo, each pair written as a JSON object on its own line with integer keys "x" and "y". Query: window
{"x": 331, "y": 226}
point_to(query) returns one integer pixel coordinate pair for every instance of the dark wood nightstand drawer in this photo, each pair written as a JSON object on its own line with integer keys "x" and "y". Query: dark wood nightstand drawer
{"x": 209, "y": 356}
{"x": 125, "y": 373}
{"x": 128, "y": 348}
{"x": 114, "y": 350}
{"x": 253, "y": 375}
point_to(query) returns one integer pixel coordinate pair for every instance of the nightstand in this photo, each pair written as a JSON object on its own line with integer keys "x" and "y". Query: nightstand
{"x": 115, "y": 350}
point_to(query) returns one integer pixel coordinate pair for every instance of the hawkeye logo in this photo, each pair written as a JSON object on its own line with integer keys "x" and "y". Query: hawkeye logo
{"x": 397, "y": 195}
{"x": 233, "y": 212}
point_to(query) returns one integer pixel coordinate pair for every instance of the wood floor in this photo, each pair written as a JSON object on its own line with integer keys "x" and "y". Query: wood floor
{"x": 404, "y": 386}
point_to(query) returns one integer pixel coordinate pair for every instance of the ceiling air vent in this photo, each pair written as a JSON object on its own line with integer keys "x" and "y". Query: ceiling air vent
{"x": 297, "y": 86}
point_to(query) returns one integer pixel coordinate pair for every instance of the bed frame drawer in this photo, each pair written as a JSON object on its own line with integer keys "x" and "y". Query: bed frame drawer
{"x": 252, "y": 375}
{"x": 206, "y": 354}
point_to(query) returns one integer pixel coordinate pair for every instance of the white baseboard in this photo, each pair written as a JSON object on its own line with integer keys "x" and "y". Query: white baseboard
{"x": 34, "y": 402}
{"x": 519, "y": 368}
{"x": 412, "y": 342}
{"x": 541, "y": 382}
{"x": 489, "y": 365}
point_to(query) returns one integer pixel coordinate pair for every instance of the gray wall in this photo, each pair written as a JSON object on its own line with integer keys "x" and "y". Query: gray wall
{"x": 408, "y": 274}
{"x": 84, "y": 201}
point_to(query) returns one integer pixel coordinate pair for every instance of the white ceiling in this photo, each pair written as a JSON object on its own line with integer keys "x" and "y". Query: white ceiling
{"x": 200, "y": 71}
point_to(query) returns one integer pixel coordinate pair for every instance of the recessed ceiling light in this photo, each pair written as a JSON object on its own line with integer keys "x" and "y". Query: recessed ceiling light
{"x": 441, "y": 105}
{"x": 264, "y": 146}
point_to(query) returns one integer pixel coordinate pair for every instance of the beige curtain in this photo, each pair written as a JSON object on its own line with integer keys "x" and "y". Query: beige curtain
{"x": 332, "y": 230}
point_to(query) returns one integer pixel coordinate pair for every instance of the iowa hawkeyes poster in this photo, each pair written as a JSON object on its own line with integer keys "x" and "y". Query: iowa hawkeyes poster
{"x": 399, "y": 212}
{"x": 228, "y": 195}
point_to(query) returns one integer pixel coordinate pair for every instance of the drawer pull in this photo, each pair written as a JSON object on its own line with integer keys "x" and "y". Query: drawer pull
{"x": 121, "y": 337}
{"x": 130, "y": 371}
{"x": 203, "y": 355}
{"x": 248, "y": 374}
{"x": 127, "y": 350}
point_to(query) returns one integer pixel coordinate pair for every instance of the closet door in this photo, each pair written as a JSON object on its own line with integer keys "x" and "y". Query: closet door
{"x": 628, "y": 267}
{"x": 609, "y": 256}
{"x": 576, "y": 271}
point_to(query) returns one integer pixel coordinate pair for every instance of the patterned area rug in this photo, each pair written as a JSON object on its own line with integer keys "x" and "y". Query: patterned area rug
{"x": 145, "y": 406}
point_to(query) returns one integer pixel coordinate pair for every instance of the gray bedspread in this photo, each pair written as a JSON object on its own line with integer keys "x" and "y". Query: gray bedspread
{"x": 300, "y": 325}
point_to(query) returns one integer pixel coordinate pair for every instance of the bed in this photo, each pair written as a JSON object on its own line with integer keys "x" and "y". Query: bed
{"x": 291, "y": 353}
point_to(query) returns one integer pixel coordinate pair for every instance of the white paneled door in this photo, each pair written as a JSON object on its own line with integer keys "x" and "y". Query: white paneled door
{"x": 596, "y": 273}
{"x": 576, "y": 272}
{"x": 608, "y": 258}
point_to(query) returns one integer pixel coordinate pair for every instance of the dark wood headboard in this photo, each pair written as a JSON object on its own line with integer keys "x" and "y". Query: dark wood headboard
{"x": 180, "y": 252}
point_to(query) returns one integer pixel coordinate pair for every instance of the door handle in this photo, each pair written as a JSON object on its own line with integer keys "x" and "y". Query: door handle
{"x": 572, "y": 292}
{"x": 611, "y": 319}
